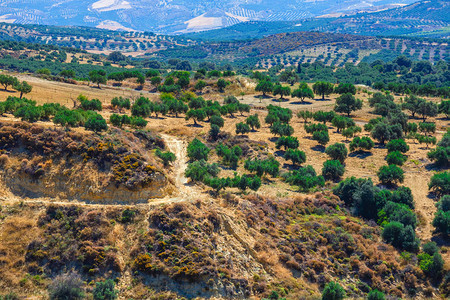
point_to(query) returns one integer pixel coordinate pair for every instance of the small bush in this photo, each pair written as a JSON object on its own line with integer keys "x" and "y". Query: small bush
{"x": 167, "y": 157}
{"x": 242, "y": 128}
{"x": 397, "y": 145}
{"x": 440, "y": 183}
{"x": 305, "y": 178}
{"x": 333, "y": 170}
{"x": 391, "y": 174}
{"x": 66, "y": 286}
{"x": 105, "y": 290}
{"x": 400, "y": 236}
{"x": 321, "y": 137}
{"x": 363, "y": 143}
{"x": 196, "y": 150}
{"x": 96, "y": 123}
{"x": 333, "y": 291}
{"x": 295, "y": 155}
{"x": 337, "y": 151}
{"x": 396, "y": 158}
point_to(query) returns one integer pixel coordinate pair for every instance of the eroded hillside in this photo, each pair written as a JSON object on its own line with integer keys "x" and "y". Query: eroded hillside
{"x": 41, "y": 161}
{"x": 238, "y": 247}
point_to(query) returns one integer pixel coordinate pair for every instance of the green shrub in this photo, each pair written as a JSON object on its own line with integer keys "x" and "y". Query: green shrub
{"x": 440, "y": 156}
{"x": 96, "y": 123}
{"x": 200, "y": 170}
{"x": 243, "y": 182}
{"x": 333, "y": 170}
{"x": 430, "y": 248}
{"x": 121, "y": 103}
{"x": 214, "y": 132}
{"x": 229, "y": 156}
{"x": 397, "y": 145}
{"x": 321, "y": 137}
{"x": 441, "y": 222}
{"x": 427, "y": 128}
{"x": 217, "y": 120}
{"x": 281, "y": 129}
{"x": 167, "y": 157}
{"x": 196, "y": 150}
{"x": 403, "y": 195}
{"x": 29, "y": 113}
{"x": 288, "y": 142}
{"x": 296, "y": 156}
{"x": 425, "y": 139}
{"x": 137, "y": 122}
{"x": 127, "y": 216}
{"x": 311, "y": 128}
{"x": 324, "y": 116}
{"x": 440, "y": 183}
{"x": 375, "y": 295}
{"x": 337, "y": 151}
{"x": 363, "y": 143}
{"x": 242, "y": 128}
{"x": 68, "y": 118}
{"x": 333, "y": 291}
{"x": 431, "y": 265}
{"x": 141, "y": 107}
{"x": 396, "y": 158}
{"x": 395, "y": 212}
{"x": 93, "y": 104}
{"x": 260, "y": 167}
{"x": 253, "y": 122}
{"x": 391, "y": 174}
{"x": 305, "y": 178}
{"x": 105, "y": 290}
{"x": 341, "y": 122}
{"x": 444, "y": 203}
{"x": 400, "y": 236}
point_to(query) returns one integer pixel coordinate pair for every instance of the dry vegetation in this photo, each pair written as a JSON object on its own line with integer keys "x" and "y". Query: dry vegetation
{"x": 236, "y": 245}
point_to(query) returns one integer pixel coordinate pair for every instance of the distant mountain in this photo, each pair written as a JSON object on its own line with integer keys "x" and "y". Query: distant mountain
{"x": 177, "y": 16}
{"x": 424, "y": 18}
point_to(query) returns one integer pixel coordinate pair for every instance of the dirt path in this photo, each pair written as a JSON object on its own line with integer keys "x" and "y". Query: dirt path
{"x": 179, "y": 148}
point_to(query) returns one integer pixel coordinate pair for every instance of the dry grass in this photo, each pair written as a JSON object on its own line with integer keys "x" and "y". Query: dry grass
{"x": 17, "y": 231}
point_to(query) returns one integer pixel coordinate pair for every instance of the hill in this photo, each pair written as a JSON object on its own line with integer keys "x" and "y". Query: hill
{"x": 92, "y": 39}
{"x": 173, "y": 16}
{"x": 424, "y": 18}
{"x": 78, "y": 207}
{"x": 292, "y": 48}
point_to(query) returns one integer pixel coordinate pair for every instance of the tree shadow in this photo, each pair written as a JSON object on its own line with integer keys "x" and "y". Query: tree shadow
{"x": 360, "y": 154}
{"x": 432, "y": 195}
{"x": 443, "y": 119}
{"x": 195, "y": 125}
{"x": 290, "y": 167}
{"x": 379, "y": 146}
{"x": 323, "y": 100}
{"x": 273, "y": 139}
{"x": 262, "y": 97}
{"x": 318, "y": 148}
{"x": 278, "y": 100}
{"x": 435, "y": 167}
{"x": 302, "y": 103}
{"x": 280, "y": 153}
{"x": 440, "y": 240}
